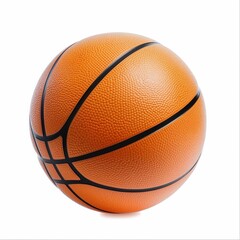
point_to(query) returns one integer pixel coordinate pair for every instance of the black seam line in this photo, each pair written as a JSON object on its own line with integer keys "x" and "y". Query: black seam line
{"x": 35, "y": 143}
{"x": 81, "y": 199}
{"x": 49, "y": 174}
{"x": 44, "y": 92}
{"x": 44, "y": 134}
{"x": 129, "y": 140}
{"x": 68, "y": 182}
{"x": 42, "y": 112}
{"x": 88, "y": 92}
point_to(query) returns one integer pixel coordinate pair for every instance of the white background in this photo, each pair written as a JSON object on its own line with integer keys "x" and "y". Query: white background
{"x": 204, "y": 34}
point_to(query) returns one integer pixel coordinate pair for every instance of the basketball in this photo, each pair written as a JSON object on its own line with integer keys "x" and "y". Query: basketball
{"x": 118, "y": 122}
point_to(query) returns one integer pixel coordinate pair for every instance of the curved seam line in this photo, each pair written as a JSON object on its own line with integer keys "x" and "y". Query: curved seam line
{"x": 94, "y": 184}
{"x": 75, "y": 110}
{"x": 44, "y": 91}
{"x": 35, "y": 143}
{"x": 130, "y": 140}
{"x": 42, "y": 115}
{"x": 63, "y": 131}
{"x": 84, "y": 201}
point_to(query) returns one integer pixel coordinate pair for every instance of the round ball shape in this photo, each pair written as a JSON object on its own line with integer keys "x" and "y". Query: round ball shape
{"x": 118, "y": 122}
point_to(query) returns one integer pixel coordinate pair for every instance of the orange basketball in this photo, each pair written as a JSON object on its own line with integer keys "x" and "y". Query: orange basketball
{"x": 118, "y": 122}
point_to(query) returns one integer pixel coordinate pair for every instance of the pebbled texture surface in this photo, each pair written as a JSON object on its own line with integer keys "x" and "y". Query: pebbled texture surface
{"x": 77, "y": 69}
{"x": 35, "y": 110}
{"x": 122, "y": 202}
{"x": 145, "y": 89}
{"x": 154, "y": 160}
{"x": 149, "y": 86}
